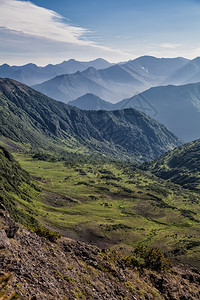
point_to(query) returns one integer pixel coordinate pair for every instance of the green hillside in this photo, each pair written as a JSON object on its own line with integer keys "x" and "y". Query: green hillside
{"x": 17, "y": 189}
{"x": 41, "y": 123}
{"x": 181, "y": 166}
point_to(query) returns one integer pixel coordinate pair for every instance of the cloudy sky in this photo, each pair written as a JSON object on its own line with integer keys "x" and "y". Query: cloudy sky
{"x": 50, "y": 31}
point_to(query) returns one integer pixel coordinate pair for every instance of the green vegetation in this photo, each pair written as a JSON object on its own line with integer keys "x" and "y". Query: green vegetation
{"x": 154, "y": 259}
{"x": 18, "y": 192}
{"x": 41, "y": 124}
{"x": 181, "y": 166}
{"x": 141, "y": 258}
{"x": 45, "y": 232}
{"x": 115, "y": 204}
{"x": 93, "y": 198}
{"x": 16, "y": 188}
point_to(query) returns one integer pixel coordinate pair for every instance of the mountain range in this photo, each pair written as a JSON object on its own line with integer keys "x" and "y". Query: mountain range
{"x": 177, "y": 107}
{"x": 29, "y": 117}
{"x": 113, "y": 83}
{"x": 31, "y": 74}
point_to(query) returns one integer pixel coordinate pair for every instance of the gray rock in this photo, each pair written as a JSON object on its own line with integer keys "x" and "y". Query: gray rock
{"x": 4, "y": 243}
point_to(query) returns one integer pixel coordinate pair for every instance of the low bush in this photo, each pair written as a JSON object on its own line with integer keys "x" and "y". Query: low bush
{"x": 154, "y": 258}
{"x": 42, "y": 231}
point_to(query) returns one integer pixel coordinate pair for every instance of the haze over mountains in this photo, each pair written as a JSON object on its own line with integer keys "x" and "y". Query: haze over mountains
{"x": 188, "y": 73}
{"x": 177, "y": 107}
{"x": 114, "y": 83}
{"x": 99, "y": 85}
{"x": 32, "y": 74}
{"x": 91, "y": 102}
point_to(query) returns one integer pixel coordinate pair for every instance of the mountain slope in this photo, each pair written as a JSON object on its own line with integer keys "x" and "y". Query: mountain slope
{"x": 177, "y": 107}
{"x": 113, "y": 83}
{"x": 189, "y": 73}
{"x": 31, "y": 118}
{"x": 32, "y": 74}
{"x": 181, "y": 166}
{"x": 16, "y": 189}
{"x": 66, "y": 87}
{"x": 91, "y": 102}
{"x": 32, "y": 267}
{"x": 153, "y": 66}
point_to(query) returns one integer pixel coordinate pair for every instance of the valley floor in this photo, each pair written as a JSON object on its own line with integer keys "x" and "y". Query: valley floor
{"x": 115, "y": 205}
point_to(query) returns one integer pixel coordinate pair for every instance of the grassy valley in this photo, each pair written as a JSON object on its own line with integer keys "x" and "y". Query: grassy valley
{"x": 97, "y": 198}
{"x": 113, "y": 204}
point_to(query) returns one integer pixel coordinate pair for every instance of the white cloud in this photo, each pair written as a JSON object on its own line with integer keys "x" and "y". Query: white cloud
{"x": 25, "y": 27}
{"x": 169, "y": 45}
{"x": 28, "y": 18}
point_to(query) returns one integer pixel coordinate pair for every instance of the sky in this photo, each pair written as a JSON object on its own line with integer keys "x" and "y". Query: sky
{"x": 50, "y": 31}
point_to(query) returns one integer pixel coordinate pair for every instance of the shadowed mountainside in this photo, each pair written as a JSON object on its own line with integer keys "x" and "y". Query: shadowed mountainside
{"x": 181, "y": 166}
{"x": 39, "y": 122}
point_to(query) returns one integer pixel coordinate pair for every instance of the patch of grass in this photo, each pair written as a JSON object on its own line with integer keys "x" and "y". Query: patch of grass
{"x": 45, "y": 232}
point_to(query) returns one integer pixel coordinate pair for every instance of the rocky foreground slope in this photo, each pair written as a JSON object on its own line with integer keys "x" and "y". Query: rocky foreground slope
{"x": 32, "y": 267}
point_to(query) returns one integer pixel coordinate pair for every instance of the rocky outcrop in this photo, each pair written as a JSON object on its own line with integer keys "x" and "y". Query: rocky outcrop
{"x": 66, "y": 269}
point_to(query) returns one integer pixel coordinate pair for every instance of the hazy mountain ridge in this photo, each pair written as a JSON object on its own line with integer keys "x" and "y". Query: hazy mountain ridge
{"x": 113, "y": 83}
{"x": 177, "y": 107}
{"x": 32, "y": 74}
{"x": 188, "y": 73}
{"x": 29, "y": 117}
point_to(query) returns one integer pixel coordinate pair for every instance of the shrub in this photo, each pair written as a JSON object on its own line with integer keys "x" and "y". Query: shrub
{"x": 154, "y": 258}
{"x": 42, "y": 231}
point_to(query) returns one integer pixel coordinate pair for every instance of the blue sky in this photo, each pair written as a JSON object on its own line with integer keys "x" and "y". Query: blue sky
{"x": 51, "y": 31}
